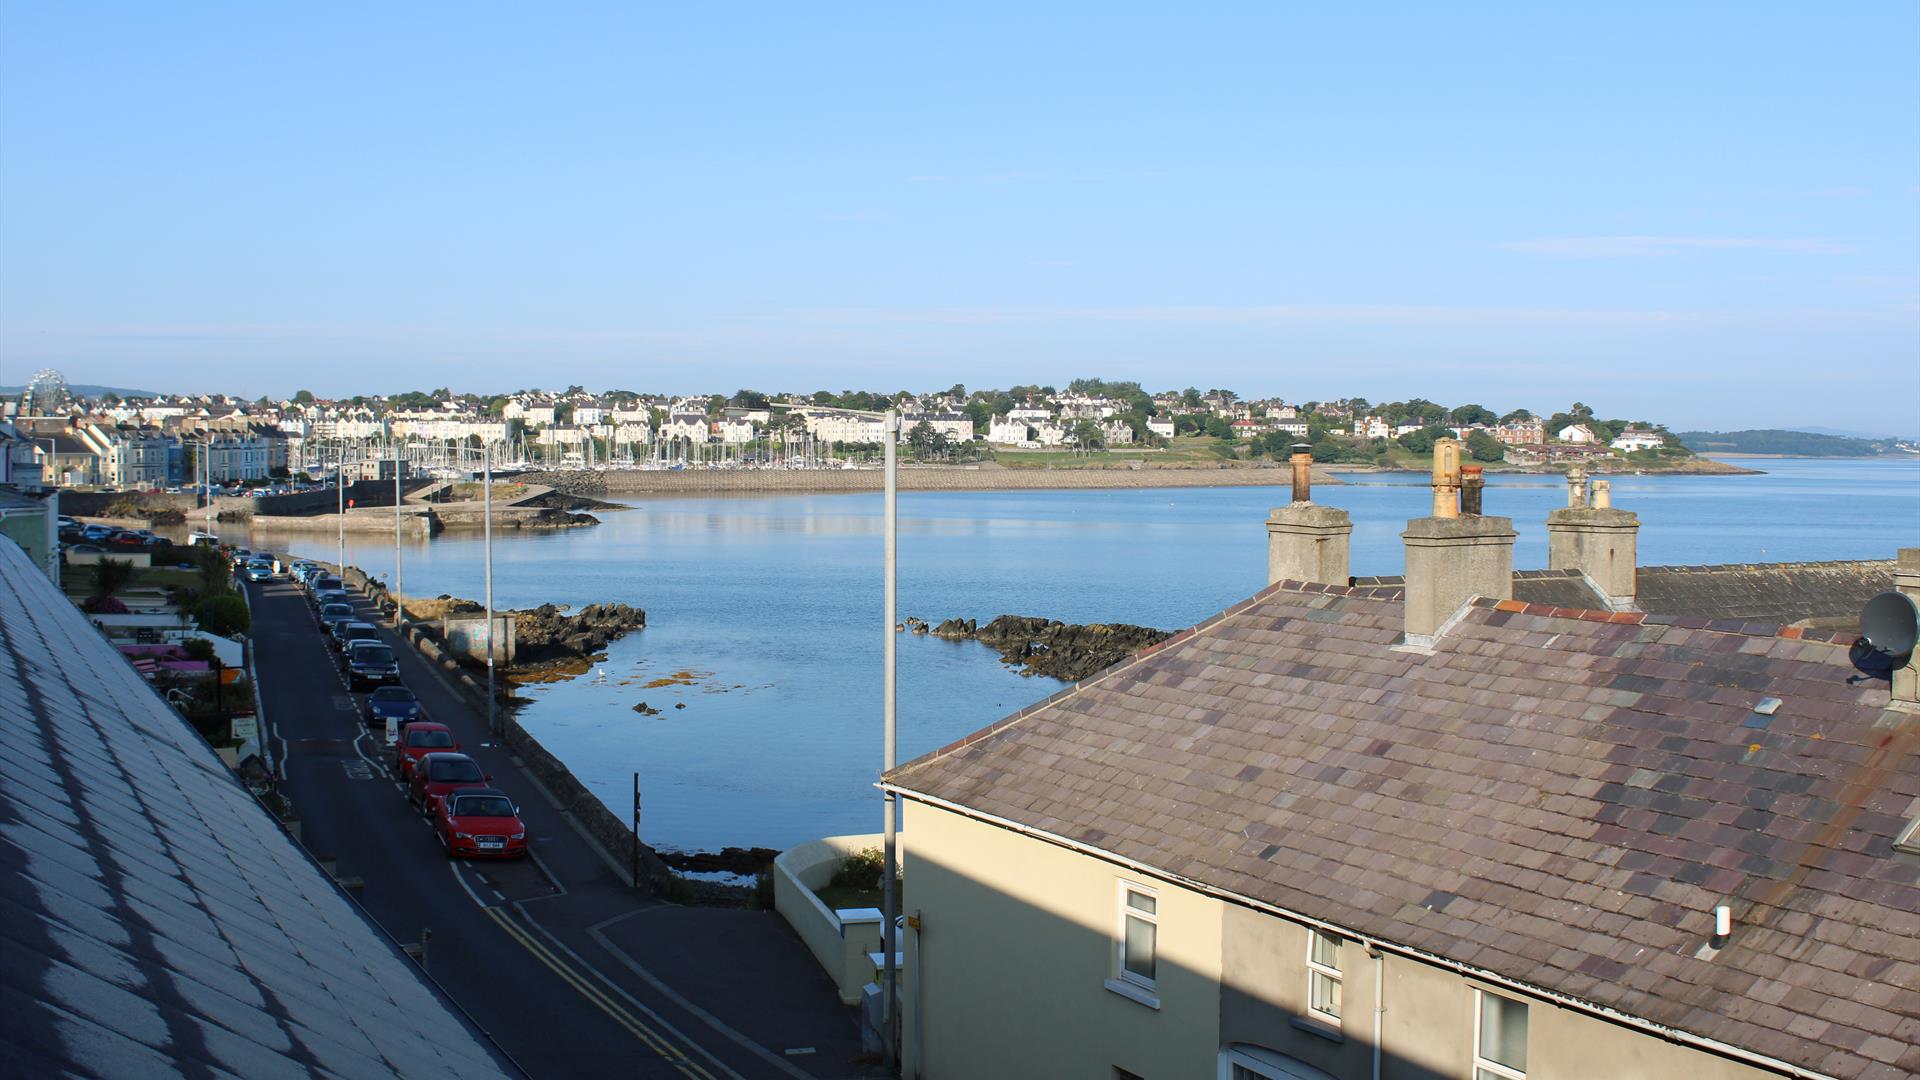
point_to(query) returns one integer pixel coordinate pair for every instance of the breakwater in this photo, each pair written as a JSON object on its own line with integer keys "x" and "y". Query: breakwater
{"x": 912, "y": 478}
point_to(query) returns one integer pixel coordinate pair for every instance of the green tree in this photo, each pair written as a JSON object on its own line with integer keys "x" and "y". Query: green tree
{"x": 1471, "y": 414}
{"x": 921, "y": 437}
{"x": 303, "y": 397}
{"x": 1484, "y": 447}
{"x": 1190, "y": 397}
{"x": 1087, "y": 435}
{"x": 225, "y": 615}
{"x": 111, "y": 575}
{"x": 1420, "y": 442}
{"x": 1516, "y": 416}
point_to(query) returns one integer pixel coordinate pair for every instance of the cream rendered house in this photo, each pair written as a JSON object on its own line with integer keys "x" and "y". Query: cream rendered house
{"x": 1427, "y": 830}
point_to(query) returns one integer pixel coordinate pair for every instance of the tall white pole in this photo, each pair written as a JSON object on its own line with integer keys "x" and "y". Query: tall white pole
{"x": 399, "y": 602}
{"x": 890, "y": 900}
{"x": 340, "y": 486}
{"x": 487, "y": 532}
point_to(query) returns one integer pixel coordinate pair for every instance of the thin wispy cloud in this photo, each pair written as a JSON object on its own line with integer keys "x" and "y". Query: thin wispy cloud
{"x": 1641, "y": 247}
{"x": 977, "y": 178}
{"x": 1263, "y": 315}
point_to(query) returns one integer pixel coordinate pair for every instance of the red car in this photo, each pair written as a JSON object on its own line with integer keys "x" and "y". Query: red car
{"x": 437, "y": 775}
{"x": 422, "y": 737}
{"x": 480, "y": 822}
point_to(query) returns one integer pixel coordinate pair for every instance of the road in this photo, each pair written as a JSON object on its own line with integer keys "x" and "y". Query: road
{"x": 568, "y": 969}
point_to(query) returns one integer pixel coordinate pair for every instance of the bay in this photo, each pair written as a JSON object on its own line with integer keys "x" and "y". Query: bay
{"x": 764, "y": 613}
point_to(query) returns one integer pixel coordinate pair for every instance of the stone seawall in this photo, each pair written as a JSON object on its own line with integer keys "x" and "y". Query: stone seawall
{"x": 613, "y": 833}
{"x": 912, "y": 478}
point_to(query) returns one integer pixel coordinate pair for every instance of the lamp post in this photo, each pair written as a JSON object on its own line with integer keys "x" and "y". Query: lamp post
{"x": 486, "y": 456}
{"x": 340, "y": 486}
{"x": 399, "y": 602}
{"x": 889, "y": 893}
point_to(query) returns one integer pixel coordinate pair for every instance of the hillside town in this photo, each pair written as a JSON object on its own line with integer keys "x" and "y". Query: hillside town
{"x": 58, "y": 438}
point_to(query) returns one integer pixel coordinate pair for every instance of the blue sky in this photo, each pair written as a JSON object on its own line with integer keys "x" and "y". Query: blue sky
{"x": 1707, "y": 214}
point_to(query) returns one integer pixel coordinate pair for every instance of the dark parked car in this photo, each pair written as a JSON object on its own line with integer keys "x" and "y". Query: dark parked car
{"x": 369, "y": 663}
{"x": 480, "y": 822}
{"x": 436, "y": 776}
{"x": 335, "y": 611}
{"x": 393, "y": 705}
{"x": 352, "y": 630}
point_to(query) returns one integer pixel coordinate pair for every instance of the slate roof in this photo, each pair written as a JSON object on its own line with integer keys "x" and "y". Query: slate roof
{"x": 154, "y": 919}
{"x": 1823, "y": 593}
{"x": 1557, "y": 796}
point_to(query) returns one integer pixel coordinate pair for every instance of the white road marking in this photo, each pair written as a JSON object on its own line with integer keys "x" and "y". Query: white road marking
{"x": 454, "y": 866}
{"x": 712, "y": 1021}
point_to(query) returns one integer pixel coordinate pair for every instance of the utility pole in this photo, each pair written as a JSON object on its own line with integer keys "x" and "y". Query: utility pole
{"x": 340, "y": 486}
{"x": 890, "y": 899}
{"x": 486, "y": 453}
{"x": 399, "y": 601}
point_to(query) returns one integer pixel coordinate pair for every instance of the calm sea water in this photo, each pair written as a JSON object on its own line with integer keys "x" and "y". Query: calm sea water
{"x": 764, "y": 613}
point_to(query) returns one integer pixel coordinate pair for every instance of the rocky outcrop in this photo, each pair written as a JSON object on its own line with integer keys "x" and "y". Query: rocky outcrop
{"x": 743, "y": 861}
{"x": 1049, "y": 647}
{"x": 548, "y": 633}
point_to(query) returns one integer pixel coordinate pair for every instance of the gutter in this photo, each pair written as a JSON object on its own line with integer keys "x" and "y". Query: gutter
{"x": 1670, "y": 1034}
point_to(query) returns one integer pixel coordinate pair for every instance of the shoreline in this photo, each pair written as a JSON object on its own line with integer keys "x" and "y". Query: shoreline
{"x": 911, "y": 478}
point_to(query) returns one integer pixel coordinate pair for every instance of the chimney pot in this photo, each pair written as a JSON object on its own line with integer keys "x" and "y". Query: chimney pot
{"x": 1473, "y": 484}
{"x": 1302, "y": 472}
{"x": 1576, "y": 487}
{"x": 1446, "y": 478}
{"x": 1602, "y": 494}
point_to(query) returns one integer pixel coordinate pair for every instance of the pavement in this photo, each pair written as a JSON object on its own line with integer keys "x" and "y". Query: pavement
{"x": 555, "y": 956}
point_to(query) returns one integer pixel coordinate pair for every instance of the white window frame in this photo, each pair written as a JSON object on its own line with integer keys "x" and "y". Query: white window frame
{"x": 1126, "y": 983}
{"x": 1331, "y": 973}
{"x": 1479, "y": 1063}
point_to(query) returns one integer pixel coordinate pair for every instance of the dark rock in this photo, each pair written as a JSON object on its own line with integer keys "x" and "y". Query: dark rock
{"x": 1049, "y": 647}
{"x": 645, "y": 709}
{"x": 744, "y": 861}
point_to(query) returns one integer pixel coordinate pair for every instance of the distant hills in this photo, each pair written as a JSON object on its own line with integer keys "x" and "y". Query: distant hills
{"x": 87, "y": 391}
{"x": 1785, "y": 443}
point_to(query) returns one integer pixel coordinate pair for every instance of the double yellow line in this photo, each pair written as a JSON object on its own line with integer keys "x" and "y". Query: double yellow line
{"x": 588, "y": 990}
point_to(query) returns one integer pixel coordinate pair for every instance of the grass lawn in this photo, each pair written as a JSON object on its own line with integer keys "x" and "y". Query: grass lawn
{"x": 1184, "y": 451}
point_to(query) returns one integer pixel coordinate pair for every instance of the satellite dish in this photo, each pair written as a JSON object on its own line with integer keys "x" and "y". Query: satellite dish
{"x": 1891, "y": 623}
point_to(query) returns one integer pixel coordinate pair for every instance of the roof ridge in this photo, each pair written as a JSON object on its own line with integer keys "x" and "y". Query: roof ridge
{"x": 1744, "y": 627}
{"x": 1708, "y": 567}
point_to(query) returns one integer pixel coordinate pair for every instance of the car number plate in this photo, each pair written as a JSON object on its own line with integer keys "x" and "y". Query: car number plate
{"x": 493, "y": 843}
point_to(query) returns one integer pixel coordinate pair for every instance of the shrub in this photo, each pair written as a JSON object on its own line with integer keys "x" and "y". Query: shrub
{"x": 199, "y": 649}
{"x": 103, "y": 605}
{"x": 111, "y": 575}
{"x": 225, "y": 615}
{"x": 859, "y": 870}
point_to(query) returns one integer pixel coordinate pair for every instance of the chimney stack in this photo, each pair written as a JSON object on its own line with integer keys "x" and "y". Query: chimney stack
{"x": 1599, "y": 541}
{"x": 1453, "y": 558}
{"x": 1906, "y": 680}
{"x": 1306, "y": 542}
